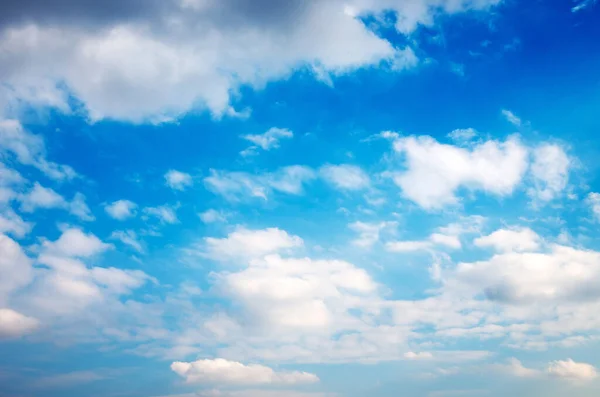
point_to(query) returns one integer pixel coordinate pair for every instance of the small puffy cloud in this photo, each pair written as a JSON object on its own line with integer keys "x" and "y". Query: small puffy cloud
{"x": 121, "y": 209}
{"x": 368, "y": 233}
{"x": 593, "y": 199}
{"x": 221, "y": 371}
{"x": 512, "y": 118}
{"x": 572, "y": 371}
{"x": 164, "y": 213}
{"x": 435, "y": 171}
{"x": 462, "y": 135}
{"x": 14, "y": 324}
{"x": 178, "y": 180}
{"x": 41, "y": 197}
{"x": 345, "y": 177}
{"x": 128, "y": 237}
{"x": 246, "y": 243}
{"x": 212, "y": 216}
{"x": 75, "y": 243}
{"x": 550, "y": 172}
{"x": 267, "y": 141}
{"x": 511, "y": 240}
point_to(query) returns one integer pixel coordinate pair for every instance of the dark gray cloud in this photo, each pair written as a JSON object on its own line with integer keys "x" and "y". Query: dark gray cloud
{"x": 85, "y": 12}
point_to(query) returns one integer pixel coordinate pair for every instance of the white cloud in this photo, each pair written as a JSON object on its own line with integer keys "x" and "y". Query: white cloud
{"x": 463, "y": 135}
{"x": 76, "y": 243}
{"x": 572, "y": 371}
{"x": 41, "y": 197}
{"x": 164, "y": 213}
{"x": 513, "y": 239}
{"x": 46, "y": 198}
{"x": 345, "y": 176}
{"x": 368, "y": 233}
{"x": 593, "y": 199}
{"x": 550, "y": 171}
{"x": 80, "y": 209}
{"x": 236, "y": 186}
{"x": 15, "y": 267}
{"x": 286, "y": 296}
{"x": 560, "y": 276}
{"x": 267, "y": 141}
{"x": 14, "y": 324}
{"x": 154, "y": 68}
{"x": 222, "y": 371}
{"x": 448, "y": 236}
{"x": 515, "y": 367}
{"x": 583, "y": 4}
{"x": 245, "y": 243}
{"x": 12, "y": 223}
{"x": 212, "y": 216}
{"x": 178, "y": 180}
{"x": 121, "y": 209}
{"x": 65, "y": 286}
{"x": 29, "y": 149}
{"x": 128, "y": 237}
{"x": 512, "y": 118}
{"x": 435, "y": 171}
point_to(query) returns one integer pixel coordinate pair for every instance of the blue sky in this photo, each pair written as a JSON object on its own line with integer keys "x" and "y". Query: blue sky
{"x": 299, "y": 199}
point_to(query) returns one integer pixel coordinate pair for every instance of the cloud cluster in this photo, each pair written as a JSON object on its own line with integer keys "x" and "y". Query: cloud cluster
{"x": 149, "y": 66}
{"x": 435, "y": 172}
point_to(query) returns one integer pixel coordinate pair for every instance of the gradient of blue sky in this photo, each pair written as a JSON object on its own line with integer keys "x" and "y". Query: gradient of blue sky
{"x": 299, "y": 199}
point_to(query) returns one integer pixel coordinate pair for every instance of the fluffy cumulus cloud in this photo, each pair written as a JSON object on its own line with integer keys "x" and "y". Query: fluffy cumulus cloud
{"x": 14, "y": 324}
{"x": 561, "y": 275}
{"x": 148, "y": 64}
{"x": 572, "y": 371}
{"x": 61, "y": 286}
{"x": 293, "y": 295}
{"x": 245, "y": 243}
{"x": 221, "y": 371}
{"x": 178, "y": 180}
{"x": 121, "y": 209}
{"x": 435, "y": 171}
{"x": 506, "y": 240}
